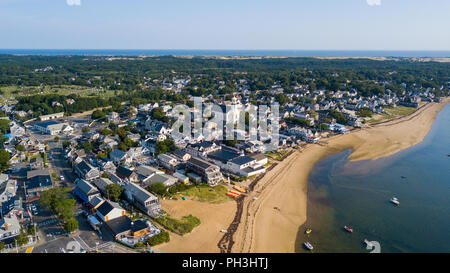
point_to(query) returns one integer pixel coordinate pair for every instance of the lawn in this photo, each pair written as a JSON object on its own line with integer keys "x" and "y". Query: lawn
{"x": 206, "y": 193}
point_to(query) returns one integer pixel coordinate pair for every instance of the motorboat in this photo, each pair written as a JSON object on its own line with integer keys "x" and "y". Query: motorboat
{"x": 349, "y": 229}
{"x": 395, "y": 201}
{"x": 308, "y": 231}
{"x": 308, "y": 245}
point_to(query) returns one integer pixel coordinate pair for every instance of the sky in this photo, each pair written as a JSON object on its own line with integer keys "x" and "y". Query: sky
{"x": 226, "y": 24}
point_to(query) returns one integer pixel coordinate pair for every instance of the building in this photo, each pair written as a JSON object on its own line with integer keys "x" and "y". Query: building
{"x": 260, "y": 158}
{"x": 119, "y": 157}
{"x": 51, "y": 116}
{"x": 85, "y": 171}
{"x": 127, "y": 174}
{"x": 36, "y": 163}
{"x": 108, "y": 211}
{"x": 141, "y": 198}
{"x": 53, "y": 127}
{"x": 85, "y": 190}
{"x": 8, "y": 188}
{"x": 9, "y": 227}
{"x": 209, "y": 172}
{"x": 37, "y": 182}
{"x": 245, "y": 166}
{"x": 166, "y": 180}
{"x": 131, "y": 232}
{"x": 101, "y": 183}
{"x": 167, "y": 161}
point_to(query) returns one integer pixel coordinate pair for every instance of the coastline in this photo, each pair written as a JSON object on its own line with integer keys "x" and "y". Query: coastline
{"x": 271, "y": 223}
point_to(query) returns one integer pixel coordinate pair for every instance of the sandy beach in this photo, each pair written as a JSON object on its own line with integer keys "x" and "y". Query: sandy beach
{"x": 270, "y": 223}
{"x": 204, "y": 238}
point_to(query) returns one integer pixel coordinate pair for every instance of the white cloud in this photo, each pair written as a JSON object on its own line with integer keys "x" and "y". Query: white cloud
{"x": 374, "y": 2}
{"x": 73, "y": 2}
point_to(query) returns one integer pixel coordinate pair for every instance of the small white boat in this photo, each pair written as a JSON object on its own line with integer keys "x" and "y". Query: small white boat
{"x": 308, "y": 245}
{"x": 224, "y": 231}
{"x": 395, "y": 201}
{"x": 369, "y": 244}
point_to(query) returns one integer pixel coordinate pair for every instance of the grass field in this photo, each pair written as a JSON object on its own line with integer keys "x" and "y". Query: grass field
{"x": 10, "y": 92}
{"x": 394, "y": 112}
{"x": 205, "y": 193}
{"x": 179, "y": 226}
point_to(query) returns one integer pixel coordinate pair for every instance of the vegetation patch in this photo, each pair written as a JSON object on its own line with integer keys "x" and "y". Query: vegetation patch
{"x": 179, "y": 226}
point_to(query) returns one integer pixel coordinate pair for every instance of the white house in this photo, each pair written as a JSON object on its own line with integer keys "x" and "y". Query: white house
{"x": 108, "y": 211}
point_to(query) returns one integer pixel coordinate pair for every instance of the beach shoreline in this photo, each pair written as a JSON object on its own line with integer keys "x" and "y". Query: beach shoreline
{"x": 271, "y": 222}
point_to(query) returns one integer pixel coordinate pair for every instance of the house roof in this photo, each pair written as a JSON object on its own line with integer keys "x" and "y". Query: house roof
{"x": 117, "y": 153}
{"x": 85, "y": 187}
{"x": 84, "y": 167}
{"x": 121, "y": 170}
{"x": 108, "y": 206}
{"x": 160, "y": 178}
{"x": 40, "y": 172}
{"x": 242, "y": 160}
{"x": 200, "y": 162}
{"x": 139, "y": 193}
{"x": 146, "y": 170}
{"x": 119, "y": 225}
{"x": 96, "y": 201}
{"x": 223, "y": 155}
{"x": 39, "y": 181}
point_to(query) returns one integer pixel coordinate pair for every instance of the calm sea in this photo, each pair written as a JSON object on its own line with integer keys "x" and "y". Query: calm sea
{"x": 357, "y": 194}
{"x": 287, "y": 53}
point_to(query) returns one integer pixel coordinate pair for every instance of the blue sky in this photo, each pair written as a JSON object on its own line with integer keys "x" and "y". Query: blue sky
{"x": 226, "y": 24}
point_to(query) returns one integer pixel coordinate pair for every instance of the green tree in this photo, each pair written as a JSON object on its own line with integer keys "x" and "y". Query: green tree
{"x": 71, "y": 225}
{"x": 165, "y": 146}
{"x": 85, "y": 130}
{"x": 20, "y": 148}
{"x": 22, "y": 238}
{"x": 113, "y": 192}
{"x": 160, "y": 238}
{"x": 4, "y": 160}
{"x": 4, "y": 126}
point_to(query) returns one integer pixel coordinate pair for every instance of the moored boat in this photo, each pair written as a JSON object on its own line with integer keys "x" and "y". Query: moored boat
{"x": 308, "y": 245}
{"x": 349, "y": 229}
{"x": 395, "y": 201}
{"x": 308, "y": 231}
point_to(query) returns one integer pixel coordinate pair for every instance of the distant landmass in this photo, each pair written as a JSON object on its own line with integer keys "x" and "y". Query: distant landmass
{"x": 256, "y": 53}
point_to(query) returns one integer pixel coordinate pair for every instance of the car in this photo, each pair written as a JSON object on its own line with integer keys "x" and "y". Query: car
{"x": 61, "y": 177}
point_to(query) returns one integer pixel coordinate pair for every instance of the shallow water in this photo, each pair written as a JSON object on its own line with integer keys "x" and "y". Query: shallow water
{"x": 357, "y": 194}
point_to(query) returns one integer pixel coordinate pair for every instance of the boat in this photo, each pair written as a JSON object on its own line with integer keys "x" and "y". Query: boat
{"x": 349, "y": 229}
{"x": 403, "y": 177}
{"x": 308, "y": 245}
{"x": 224, "y": 231}
{"x": 308, "y": 231}
{"x": 369, "y": 244}
{"x": 395, "y": 201}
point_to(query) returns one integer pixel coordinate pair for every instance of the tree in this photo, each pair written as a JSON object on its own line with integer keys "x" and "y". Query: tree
{"x": 4, "y": 160}
{"x": 71, "y": 225}
{"x": 56, "y": 139}
{"x": 20, "y": 148}
{"x": 113, "y": 192}
{"x": 2, "y": 246}
{"x": 158, "y": 188}
{"x": 165, "y": 146}
{"x": 98, "y": 114}
{"x": 22, "y": 238}
{"x": 85, "y": 130}
{"x": 4, "y": 126}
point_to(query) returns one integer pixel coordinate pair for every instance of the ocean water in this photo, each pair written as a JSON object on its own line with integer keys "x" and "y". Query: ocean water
{"x": 201, "y": 52}
{"x": 357, "y": 194}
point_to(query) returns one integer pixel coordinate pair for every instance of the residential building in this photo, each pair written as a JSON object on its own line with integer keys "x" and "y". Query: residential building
{"x": 209, "y": 172}
{"x": 85, "y": 190}
{"x": 85, "y": 171}
{"x": 141, "y": 198}
{"x": 108, "y": 211}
